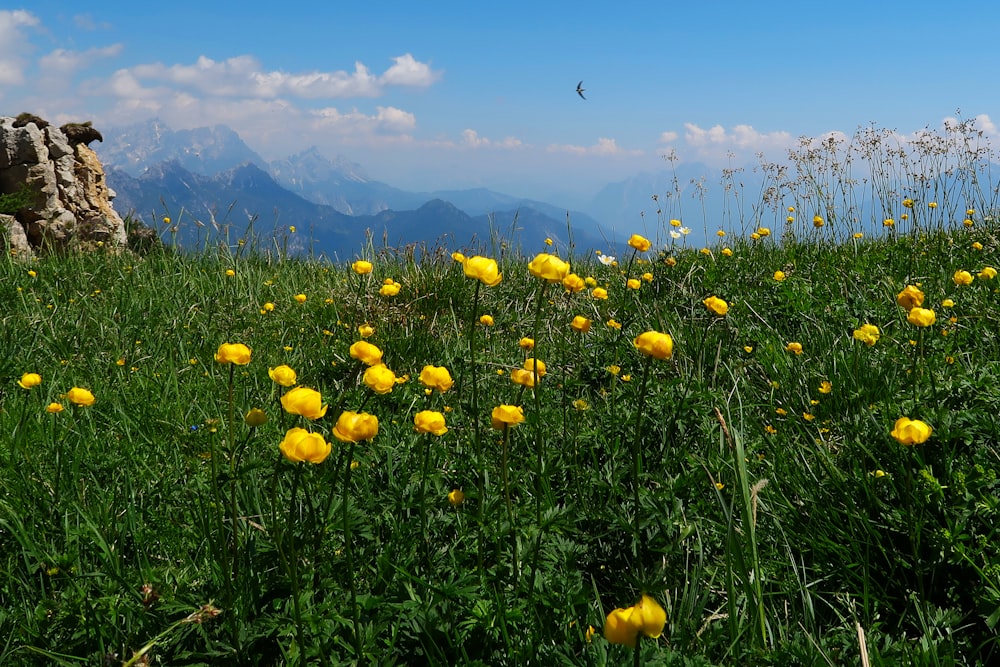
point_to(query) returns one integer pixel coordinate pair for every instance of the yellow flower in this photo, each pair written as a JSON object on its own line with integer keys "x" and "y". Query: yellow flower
{"x": 303, "y": 401}
{"x": 655, "y": 344}
{"x": 291, "y": 229}
{"x": 600, "y": 293}
{"x": 932, "y": 204}
{"x": 633, "y": 283}
{"x": 908, "y": 203}
{"x": 648, "y": 277}
{"x": 366, "y": 330}
{"x": 390, "y": 288}
{"x": 301, "y": 298}
{"x": 614, "y": 324}
{"x": 580, "y": 324}
{"x": 366, "y": 353}
{"x": 362, "y": 267}
{"x": 970, "y": 212}
{"x": 78, "y": 396}
{"x": 267, "y": 308}
{"x": 976, "y": 245}
{"x": 910, "y": 297}
{"x": 380, "y": 379}
{"x": 526, "y": 343}
{"x": 506, "y": 415}
{"x": 763, "y": 231}
{"x": 720, "y": 233}
{"x": 867, "y": 334}
{"x": 233, "y": 353}
{"x": 640, "y": 243}
{"x": 825, "y": 387}
{"x": 301, "y": 445}
{"x": 523, "y": 377}
{"x": 484, "y": 270}
{"x": 727, "y": 252}
{"x": 911, "y": 431}
{"x": 282, "y": 375}
{"x": 436, "y": 377}
{"x": 675, "y": 223}
{"x": 779, "y": 275}
{"x": 859, "y": 235}
{"x": 535, "y": 366}
{"x": 230, "y": 273}
{"x": 486, "y": 320}
{"x": 962, "y": 278}
{"x": 255, "y": 417}
{"x": 817, "y": 221}
{"x": 54, "y": 408}
{"x": 573, "y": 283}
{"x": 29, "y": 380}
{"x": 716, "y": 305}
{"x": 808, "y": 417}
{"x": 670, "y": 261}
{"x": 748, "y": 349}
{"x": 988, "y": 273}
{"x": 456, "y": 497}
{"x": 968, "y": 222}
{"x": 458, "y": 257}
{"x": 548, "y": 267}
{"x": 921, "y": 317}
{"x": 429, "y": 421}
{"x": 355, "y": 426}
{"x": 590, "y": 281}
{"x": 947, "y": 303}
{"x": 623, "y": 626}
{"x": 795, "y": 348}
{"x": 888, "y": 222}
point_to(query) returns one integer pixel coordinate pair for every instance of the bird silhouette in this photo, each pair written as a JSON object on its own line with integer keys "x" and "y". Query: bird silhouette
{"x": 580, "y": 89}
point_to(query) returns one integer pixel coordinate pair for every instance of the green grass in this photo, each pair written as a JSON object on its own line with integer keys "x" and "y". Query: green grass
{"x": 156, "y": 524}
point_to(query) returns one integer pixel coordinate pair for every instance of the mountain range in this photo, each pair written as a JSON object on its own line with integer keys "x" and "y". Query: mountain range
{"x": 208, "y": 178}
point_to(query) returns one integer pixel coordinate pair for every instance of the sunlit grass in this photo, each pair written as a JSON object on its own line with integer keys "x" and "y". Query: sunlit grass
{"x": 508, "y": 463}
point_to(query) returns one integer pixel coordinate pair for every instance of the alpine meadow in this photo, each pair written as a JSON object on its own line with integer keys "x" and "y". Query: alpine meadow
{"x": 778, "y": 449}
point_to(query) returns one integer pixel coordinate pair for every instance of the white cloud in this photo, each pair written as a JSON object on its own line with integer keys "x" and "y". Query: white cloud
{"x": 409, "y": 72}
{"x": 63, "y": 61}
{"x": 717, "y": 144}
{"x": 87, "y": 22}
{"x": 14, "y": 44}
{"x": 471, "y": 139}
{"x": 245, "y": 76}
{"x": 668, "y": 137}
{"x": 356, "y": 125}
{"x": 604, "y": 146}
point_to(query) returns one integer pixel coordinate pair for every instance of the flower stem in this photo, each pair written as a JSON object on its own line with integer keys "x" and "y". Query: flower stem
{"x": 349, "y": 550}
{"x": 292, "y": 559}
{"x": 506, "y": 494}
{"x": 480, "y": 491}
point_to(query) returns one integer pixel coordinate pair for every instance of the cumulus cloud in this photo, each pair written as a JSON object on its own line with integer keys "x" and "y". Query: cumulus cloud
{"x": 604, "y": 146}
{"x": 63, "y": 61}
{"x": 14, "y": 44}
{"x": 406, "y": 71}
{"x": 471, "y": 139}
{"x": 245, "y": 76}
{"x": 668, "y": 137}
{"x": 718, "y": 143}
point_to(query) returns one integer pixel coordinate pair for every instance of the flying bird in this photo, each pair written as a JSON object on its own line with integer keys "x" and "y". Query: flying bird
{"x": 580, "y": 89}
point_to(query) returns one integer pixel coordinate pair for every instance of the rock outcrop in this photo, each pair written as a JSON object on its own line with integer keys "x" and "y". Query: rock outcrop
{"x": 68, "y": 202}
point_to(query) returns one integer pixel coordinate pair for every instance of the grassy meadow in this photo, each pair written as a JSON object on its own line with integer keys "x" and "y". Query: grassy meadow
{"x": 170, "y": 497}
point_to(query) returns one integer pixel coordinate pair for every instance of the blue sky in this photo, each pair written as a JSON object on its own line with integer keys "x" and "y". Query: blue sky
{"x": 447, "y": 94}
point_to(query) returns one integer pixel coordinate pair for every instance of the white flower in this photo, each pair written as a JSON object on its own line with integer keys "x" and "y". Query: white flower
{"x": 675, "y": 235}
{"x": 606, "y": 260}
{"x": 685, "y": 230}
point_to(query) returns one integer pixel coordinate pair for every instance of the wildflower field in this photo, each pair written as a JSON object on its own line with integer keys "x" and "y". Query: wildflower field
{"x": 779, "y": 449}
